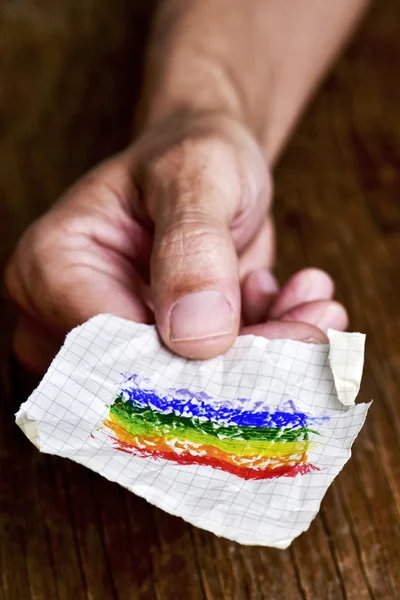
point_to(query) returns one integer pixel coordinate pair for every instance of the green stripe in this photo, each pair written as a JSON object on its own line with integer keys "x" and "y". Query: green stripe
{"x": 145, "y": 420}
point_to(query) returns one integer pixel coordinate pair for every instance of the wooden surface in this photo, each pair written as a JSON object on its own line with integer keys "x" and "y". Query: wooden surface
{"x": 69, "y": 73}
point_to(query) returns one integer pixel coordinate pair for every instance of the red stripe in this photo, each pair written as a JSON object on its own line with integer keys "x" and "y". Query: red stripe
{"x": 185, "y": 458}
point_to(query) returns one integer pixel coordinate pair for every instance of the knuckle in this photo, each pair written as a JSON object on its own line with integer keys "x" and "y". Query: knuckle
{"x": 183, "y": 160}
{"x": 26, "y": 274}
{"x": 17, "y": 267}
{"x": 188, "y": 171}
{"x": 12, "y": 280}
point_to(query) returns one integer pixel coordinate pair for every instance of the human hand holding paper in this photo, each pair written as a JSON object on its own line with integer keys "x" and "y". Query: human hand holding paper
{"x": 198, "y": 176}
{"x": 91, "y": 254}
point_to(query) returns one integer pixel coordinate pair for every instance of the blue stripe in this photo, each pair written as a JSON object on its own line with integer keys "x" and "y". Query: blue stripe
{"x": 185, "y": 403}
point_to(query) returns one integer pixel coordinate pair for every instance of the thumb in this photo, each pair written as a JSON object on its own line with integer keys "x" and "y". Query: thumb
{"x": 194, "y": 267}
{"x": 196, "y": 291}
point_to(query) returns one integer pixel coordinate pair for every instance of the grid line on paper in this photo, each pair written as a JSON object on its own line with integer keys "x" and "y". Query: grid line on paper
{"x": 89, "y": 372}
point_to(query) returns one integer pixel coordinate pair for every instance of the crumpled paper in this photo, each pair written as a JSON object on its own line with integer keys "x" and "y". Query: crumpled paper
{"x": 244, "y": 445}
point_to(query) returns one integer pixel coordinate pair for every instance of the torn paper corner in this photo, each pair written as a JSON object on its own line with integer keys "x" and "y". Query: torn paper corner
{"x": 346, "y": 359}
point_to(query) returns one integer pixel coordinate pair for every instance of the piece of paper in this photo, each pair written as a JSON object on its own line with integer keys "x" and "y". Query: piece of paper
{"x": 244, "y": 445}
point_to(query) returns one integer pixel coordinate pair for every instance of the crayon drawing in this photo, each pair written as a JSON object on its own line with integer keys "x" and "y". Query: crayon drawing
{"x": 192, "y": 428}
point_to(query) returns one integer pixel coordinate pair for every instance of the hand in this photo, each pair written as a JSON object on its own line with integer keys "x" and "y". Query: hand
{"x": 166, "y": 231}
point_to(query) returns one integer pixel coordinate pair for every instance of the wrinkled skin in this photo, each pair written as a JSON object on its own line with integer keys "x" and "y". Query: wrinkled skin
{"x": 186, "y": 209}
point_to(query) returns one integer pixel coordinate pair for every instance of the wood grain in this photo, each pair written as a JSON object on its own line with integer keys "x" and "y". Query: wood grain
{"x": 70, "y": 74}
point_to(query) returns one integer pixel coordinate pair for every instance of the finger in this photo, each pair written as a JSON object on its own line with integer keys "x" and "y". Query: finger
{"x": 194, "y": 268}
{"x": 259, "y": 254}
{"x": 33, "y": 346}
{"x": 302, "y": 332}
{"x": 324, "y": 314}
{"x": 305, "y": 286}
{"x": 259, "y": 290}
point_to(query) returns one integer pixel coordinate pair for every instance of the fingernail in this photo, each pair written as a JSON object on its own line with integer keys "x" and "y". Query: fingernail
{"x": 332, "y": 317}
{"x": 201, "y": 315}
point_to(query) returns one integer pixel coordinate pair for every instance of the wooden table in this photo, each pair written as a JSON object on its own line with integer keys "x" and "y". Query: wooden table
{"x": 69, "y": 75}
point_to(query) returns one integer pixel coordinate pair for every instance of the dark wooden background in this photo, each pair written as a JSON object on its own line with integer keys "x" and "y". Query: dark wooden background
{"x": 69, "y": 73}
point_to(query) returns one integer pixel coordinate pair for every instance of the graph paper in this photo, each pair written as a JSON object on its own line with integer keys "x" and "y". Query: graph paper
{"x": 244, "y": 445}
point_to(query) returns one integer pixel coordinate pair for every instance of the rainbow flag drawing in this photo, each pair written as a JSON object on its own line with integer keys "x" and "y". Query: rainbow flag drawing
{"x": 192, "y": 428}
